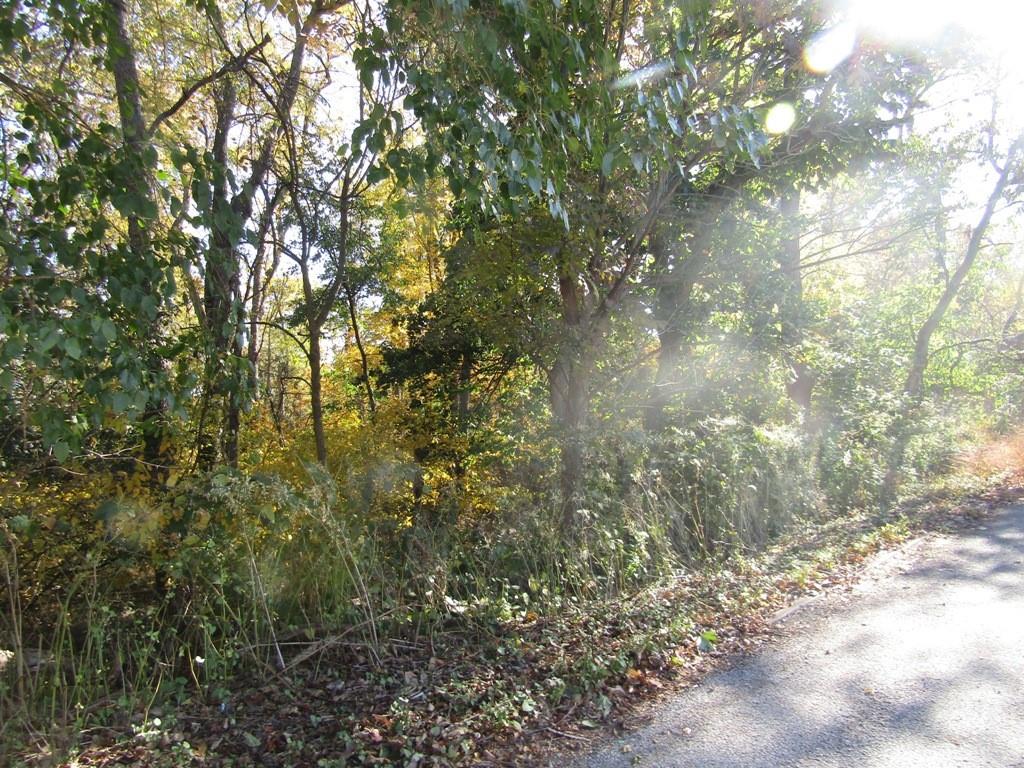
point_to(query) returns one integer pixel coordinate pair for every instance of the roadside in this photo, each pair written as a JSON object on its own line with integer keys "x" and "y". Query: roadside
{"x": 921, "y": 663}
{"x": 511, "y": 693}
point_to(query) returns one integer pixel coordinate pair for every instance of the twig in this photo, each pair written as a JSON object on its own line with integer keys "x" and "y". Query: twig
{"x": 565, "y": 735}
{"x": 326, "y": 643}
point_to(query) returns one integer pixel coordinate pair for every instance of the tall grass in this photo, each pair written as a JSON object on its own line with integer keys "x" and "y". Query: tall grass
{"x": 246, "y": 572}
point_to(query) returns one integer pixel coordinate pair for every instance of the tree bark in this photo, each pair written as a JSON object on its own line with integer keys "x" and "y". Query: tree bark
{"x": 791, "y": 310}
{"x": 316, "y": 394}
{"x": 460, "y": 407}
{"x": 259, "y": 285}
{"x": 223, "y": 281}
{"x": 364, "y": 362}
{"x": 223, "y": 274}
{"x": 569, "y": 384}
{"x": 133, "y": 125}
{"x": 121, "y": 54}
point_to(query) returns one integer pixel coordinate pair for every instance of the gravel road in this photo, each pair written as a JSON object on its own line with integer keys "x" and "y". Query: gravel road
{"x": 921, "y": 664}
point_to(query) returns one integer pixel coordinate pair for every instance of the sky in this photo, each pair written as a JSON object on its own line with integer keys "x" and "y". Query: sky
{"x": 992, "y": 30}
{"x": 992, "y": 27}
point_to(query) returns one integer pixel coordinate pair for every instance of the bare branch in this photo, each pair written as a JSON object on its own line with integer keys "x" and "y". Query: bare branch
{"x": 234, "y": 65}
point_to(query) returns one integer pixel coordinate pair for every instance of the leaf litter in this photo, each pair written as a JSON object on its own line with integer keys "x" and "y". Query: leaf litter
{"x": 513, "y": 692}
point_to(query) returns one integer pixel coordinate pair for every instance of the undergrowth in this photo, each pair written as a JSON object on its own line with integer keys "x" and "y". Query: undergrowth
{"x": 120, "y": 611}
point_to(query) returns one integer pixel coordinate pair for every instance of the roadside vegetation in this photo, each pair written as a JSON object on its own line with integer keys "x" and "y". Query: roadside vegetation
{"x": 420, "y": 382}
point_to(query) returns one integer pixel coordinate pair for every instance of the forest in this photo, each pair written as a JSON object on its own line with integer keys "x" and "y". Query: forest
{"x": 388, "y": 382}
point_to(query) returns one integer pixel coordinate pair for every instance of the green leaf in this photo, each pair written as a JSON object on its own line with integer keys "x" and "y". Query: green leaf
{"x": 72, "y": 348}
{"x": 49, "y": 339}
{"x": 376, "y": 174}
{"x": 366, "y": 78}
{"x": 61, "y": 451}
{"x": 20, "y": 523}
{"x": 607, "y": 162}
{"x": 707, "y": 641}
{"x": 251, "y": 741}
{"x": 149, "y": 306}
{"x": 120, "y": 402}
{"x": 107, "y": 511}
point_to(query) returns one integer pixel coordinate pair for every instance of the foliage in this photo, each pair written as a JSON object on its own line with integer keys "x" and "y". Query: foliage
{"x": 335, "y": 328}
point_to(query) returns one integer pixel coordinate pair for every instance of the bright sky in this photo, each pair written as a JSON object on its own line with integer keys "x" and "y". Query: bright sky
{"x": 995, "y": 25}
{"x": 960, "y": 103}
{"x": 913, "y": 22}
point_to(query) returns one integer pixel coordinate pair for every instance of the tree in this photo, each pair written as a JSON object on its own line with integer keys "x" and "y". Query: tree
{"x": 606, "y": 117}
{"x": 337, "y": 225}
{"x": 1007, "y": 168}
{"x": 82, "y": 304}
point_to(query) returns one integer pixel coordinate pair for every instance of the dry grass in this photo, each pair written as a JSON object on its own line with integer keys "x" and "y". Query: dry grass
{"x": 1000, "y": 457}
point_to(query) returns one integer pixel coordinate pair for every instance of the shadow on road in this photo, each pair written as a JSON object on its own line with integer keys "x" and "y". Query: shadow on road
{"x": 921, "y": 667}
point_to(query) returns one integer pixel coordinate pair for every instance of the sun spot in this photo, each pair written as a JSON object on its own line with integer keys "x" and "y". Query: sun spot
{"x": 780, "y": 118}
{"x": 830, "y": 48}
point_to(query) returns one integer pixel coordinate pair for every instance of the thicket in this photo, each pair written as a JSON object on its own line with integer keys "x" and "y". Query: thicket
{"x": 540, "y": 306}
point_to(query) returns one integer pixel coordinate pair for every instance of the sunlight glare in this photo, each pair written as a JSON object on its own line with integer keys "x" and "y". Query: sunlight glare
{"x": 640, "y": 77}
{"x": 995, "y": 22}
{"x": 780, "y": 118}
{"x": 992, "y": 26}
{"x": 830, "y": 48}
{"x": 904, "y": 21}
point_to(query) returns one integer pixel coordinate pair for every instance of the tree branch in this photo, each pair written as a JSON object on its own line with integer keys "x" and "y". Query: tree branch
{"x": 234, "y": 65}
{"x": 287, "y": 332}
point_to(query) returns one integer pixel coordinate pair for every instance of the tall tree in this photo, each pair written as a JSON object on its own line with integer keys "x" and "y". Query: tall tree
{"x": 232, "y": 210}
{"x": 603, "y": 115}
{"x": 1007, "y": 168}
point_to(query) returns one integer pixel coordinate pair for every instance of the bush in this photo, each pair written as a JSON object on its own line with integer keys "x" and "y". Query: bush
{"x": 725, "y": 484}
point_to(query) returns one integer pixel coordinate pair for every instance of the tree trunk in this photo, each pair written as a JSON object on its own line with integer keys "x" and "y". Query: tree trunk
{"x": 460, "y": 408}
{"x": 133, "y": 126}
{"x": 350, "y": 300}
{"x": 913, "y": 387}
{"x": 252, "y": 354}
{"x": 791, "y": 310}
{"x": 136, "y": 142}
{"x": 223, "y": 274}
{"x": 222, "y": 282}
{"x": 259, "y": 284}
{"x": 316, "y": 394}
{"x": 317, "y": 306}
{"x": 569, "y": 381}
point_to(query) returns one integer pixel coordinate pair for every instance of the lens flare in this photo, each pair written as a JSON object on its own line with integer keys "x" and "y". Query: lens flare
{"x": 830, "y": 48}
{"x": 640, "y": 77}
{"x": 780, "y": 118}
